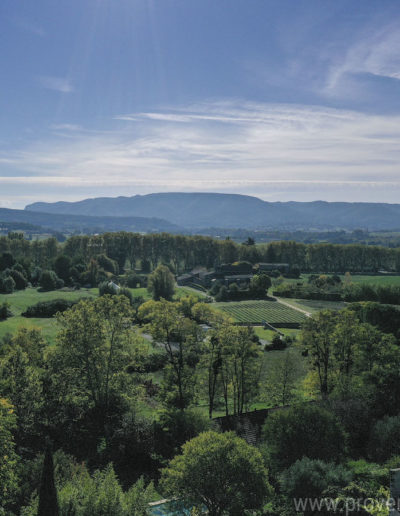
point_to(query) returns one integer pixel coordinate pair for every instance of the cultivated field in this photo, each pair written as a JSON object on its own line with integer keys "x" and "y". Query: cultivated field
{"x": 258, "y": 312}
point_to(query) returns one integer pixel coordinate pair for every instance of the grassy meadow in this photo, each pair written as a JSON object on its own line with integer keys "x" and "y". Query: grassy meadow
{"x": 20, "y": 300}
{"x": 377, "y": 279}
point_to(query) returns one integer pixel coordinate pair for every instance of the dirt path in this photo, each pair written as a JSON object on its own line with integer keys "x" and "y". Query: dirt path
{"x": 307, "y": 314}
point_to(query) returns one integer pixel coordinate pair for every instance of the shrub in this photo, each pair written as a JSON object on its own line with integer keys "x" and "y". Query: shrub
{"x": 7, "y": 285}
{"x": 5, "y": 311}
{"x": 308, "y": 478}
{"x": 20, "y": 268}
{"x": 132, "y": 280}
{"x": 277, "y": 343}
{"x": 45, "y": 309}
{"x": 302, "y": 431}
{"x": 385, "y": 439}
{"x": 127, "y": 293}
{"x": 108, "y": 287}
{"x": 19, "y": 279}
{"x": 50, "y": 281}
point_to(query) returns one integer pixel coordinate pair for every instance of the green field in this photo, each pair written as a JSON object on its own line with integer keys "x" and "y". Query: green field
{"x": 378, "y": 279}
{"x": 20, "y": 300}
{"x": 258, "y": 312}
{"x": 268, "y": 335}
{"x": 375, "y": 280}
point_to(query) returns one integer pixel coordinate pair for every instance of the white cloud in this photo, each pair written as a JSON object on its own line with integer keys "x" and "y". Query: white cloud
{"x": 61, "y": 84}
{"x": 269, "y": 150}
{"x": 376, "y": 52}
{"x": 66, "y": 127}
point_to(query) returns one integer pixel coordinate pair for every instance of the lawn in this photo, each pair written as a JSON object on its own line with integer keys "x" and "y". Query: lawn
{"x": 268, "y": 335}
{"x": 377, "y": 279}
{"x": 20, "y": 300}
{"x": 383, "y": 280}
{"x": 188, "y": 291}
{"x": 259, "y": 312}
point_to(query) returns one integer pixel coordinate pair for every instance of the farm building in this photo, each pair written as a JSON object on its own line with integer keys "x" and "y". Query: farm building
{"x": 240, "y": 279}
{"x": 186, "y": 279}
{"x": 268, "y": 267}
{"x": 206, "y": 278}
{"x": 231, "y": 269}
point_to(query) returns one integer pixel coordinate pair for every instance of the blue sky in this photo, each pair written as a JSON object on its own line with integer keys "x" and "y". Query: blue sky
{"x": 283, "y": 99}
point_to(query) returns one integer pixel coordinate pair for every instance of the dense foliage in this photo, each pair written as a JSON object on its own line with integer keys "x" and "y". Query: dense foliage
{"x": 128, "y": 387}
{"x": 220, "y": 472}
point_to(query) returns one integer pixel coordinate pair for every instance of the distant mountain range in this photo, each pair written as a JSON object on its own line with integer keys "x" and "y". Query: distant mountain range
{"x": 85, "y": 224}
{"x": 193, "y": 211}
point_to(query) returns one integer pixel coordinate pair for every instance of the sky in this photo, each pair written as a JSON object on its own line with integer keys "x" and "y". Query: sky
{"x": 281, "y": 99}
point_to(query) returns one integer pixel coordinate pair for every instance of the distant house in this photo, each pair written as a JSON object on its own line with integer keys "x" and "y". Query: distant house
{"x": 206, "y": 278}
{"x": 268, "y": 267}
{"x": 231, "y": 269}
{"x": 185, "y": 279}
{"x": 238, "y": 278}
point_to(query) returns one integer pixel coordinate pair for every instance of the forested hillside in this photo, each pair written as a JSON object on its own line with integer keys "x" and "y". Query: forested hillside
{"x": 202, "y": 210}
{"x": 85, "y": 224}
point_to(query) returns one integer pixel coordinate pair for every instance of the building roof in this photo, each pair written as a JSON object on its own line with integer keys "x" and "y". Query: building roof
{"x": 239, "y": 277}
{"x": 273, "y": 264}
{"x": 185, "y": 276}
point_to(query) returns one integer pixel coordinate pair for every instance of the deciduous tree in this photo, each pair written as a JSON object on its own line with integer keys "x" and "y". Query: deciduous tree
{"x": 220, "y": 472}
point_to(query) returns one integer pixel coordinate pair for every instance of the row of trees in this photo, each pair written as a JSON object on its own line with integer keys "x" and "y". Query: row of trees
{"x": 186, "y": 252}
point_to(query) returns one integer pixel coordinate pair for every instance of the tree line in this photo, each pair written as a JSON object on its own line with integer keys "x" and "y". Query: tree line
{"x": 183, "y": 253}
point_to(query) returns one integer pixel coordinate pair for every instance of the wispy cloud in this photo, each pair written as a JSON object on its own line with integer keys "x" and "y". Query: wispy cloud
{"x": 376, "y": 52}
{"x": 61, "y": 84}
{"x": 66, "y": 127}
{"x": 269, "y": 150}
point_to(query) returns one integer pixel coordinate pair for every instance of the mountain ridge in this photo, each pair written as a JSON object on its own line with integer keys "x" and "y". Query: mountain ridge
{"x": 70, "y": 222}
{"x": 203, "y": 210}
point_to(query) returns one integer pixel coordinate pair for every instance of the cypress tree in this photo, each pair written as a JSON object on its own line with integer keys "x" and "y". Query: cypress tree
{"x": 48, "y": 502}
